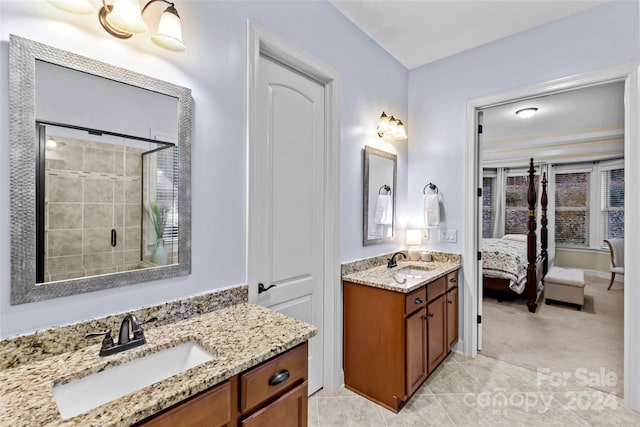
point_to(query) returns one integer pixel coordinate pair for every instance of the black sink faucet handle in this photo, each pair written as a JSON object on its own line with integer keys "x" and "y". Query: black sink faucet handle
{"x": 107, "y": 341}
{"x": 391, "y": 262}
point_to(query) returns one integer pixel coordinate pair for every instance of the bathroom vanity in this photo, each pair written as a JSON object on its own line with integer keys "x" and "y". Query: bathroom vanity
{"x": 257, "y": 375}
{"x": 273, "y": 393}
{"x": 399, "y": 324}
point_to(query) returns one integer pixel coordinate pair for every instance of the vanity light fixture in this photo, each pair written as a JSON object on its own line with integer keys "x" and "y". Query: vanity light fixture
{"x": 124, "y": 18}
{"x": 391, "y": 127}
{"x": 527, "y": 113}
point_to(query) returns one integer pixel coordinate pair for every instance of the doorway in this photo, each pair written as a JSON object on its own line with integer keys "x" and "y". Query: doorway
{"x": 473, "y": 292}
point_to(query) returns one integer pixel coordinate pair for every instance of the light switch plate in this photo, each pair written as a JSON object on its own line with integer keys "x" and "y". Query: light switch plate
{"x": 449, "y": 236}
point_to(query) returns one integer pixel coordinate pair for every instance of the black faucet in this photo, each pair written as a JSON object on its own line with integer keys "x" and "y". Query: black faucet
{"x": 131, "y": 325}
{"x": 391, "y": 262}
{"x": 130, "y": 336}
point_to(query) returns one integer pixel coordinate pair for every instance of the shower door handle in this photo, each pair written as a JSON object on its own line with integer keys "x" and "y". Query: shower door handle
{"x": 114, "y": 237}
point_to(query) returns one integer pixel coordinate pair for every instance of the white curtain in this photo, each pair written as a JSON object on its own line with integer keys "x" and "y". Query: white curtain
{"x": 501, "y": 201}
{"x": 551, "y": 241}
{"x": 551, "y": 213}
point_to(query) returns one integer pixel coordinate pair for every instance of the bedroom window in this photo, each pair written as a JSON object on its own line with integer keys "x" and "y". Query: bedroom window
{"x": 572, "y": 191}
{"x": 517, "y": 207}
{"x": 612, "y": 203}
{"x": 488, "y": 205}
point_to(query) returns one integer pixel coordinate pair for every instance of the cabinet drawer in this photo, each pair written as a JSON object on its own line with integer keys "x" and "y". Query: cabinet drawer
{"x": 452, "y": 280}
{"x": 289, "y": 410}
{"x": 415, "y": 300}
{"x": 210, "y": 408}
{"x": 436, "y": 288}
{"x": 270, "y": 378}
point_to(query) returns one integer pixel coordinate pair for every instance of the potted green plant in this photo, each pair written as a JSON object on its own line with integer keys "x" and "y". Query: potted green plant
{"x": 158, "y": 217}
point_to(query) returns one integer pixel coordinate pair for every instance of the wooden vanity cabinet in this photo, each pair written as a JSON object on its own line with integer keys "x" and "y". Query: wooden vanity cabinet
{"x": 416, "y": 347}
{"x": 393, "y": 341}
{"x": 436, "y": 332}
{"x": 452, "y": 309}
{"x": 209, "y": 408}
{"x": 273, "y": 393}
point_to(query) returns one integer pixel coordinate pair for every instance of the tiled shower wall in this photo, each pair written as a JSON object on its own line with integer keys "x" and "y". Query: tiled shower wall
{"x": 91, "y": 188}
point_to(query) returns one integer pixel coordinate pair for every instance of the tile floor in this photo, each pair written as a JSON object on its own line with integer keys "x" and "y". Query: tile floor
{"x": 479, "y": 392}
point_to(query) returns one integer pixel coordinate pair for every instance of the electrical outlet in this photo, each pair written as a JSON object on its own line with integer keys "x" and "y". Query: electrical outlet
{"x": 425, "y": 235}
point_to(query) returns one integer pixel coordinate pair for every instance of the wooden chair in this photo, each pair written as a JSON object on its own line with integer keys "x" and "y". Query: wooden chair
{"x": 616, "y": 248}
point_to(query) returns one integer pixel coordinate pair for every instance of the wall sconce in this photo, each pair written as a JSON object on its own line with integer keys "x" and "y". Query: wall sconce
{"x": 124, "y": 18}
{"x": 391, "y": 127}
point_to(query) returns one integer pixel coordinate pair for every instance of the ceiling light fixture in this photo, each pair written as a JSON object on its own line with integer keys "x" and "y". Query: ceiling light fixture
{"x": 391, "y": 127}
{"x": 527, "y": 113}
{"x": 124, "y": 18}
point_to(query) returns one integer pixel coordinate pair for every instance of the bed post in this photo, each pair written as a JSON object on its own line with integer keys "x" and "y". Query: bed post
{"x": 543, "y": 226}
{"x": 532, "y": 253}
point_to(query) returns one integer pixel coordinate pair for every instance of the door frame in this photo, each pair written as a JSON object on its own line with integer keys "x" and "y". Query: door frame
{"x": 260, "y": 41}
{"x": 630, "y": 73}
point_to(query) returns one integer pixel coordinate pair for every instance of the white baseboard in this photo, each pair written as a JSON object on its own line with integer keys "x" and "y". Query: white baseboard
{"x": 459, "y": 347}
{"x": 604, "y": 275}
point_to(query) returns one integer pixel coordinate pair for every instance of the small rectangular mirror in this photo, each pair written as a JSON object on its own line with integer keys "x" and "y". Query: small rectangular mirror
{"x": 379, "y": 191}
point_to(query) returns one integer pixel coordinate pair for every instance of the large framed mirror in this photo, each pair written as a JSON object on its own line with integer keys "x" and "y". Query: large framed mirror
{"x": 379, "y": 191}
{"x": 100, "y": 175}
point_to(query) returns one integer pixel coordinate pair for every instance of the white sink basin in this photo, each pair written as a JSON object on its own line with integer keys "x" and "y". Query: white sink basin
{"x": 84, "y": 394}
{"x": 411, "y": 272}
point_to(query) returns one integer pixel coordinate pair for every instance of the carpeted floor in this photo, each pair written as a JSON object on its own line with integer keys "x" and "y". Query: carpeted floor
{"x": 581, "y": 346}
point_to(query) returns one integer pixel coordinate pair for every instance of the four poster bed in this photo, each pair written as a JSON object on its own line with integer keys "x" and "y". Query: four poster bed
{"x": 518, "y": 263}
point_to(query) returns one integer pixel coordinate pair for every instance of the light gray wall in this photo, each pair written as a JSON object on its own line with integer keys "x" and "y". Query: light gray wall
{"x": 213, "y": 66}
{"x": 597, "y": 38}
{"x": 72, "y": 97}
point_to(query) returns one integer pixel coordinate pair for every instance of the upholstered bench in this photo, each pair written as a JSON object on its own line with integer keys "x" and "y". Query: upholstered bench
{"x": 565, "y": 285}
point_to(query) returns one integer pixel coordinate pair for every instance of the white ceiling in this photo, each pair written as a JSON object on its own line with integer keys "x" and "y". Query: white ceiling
{"x": 417, "y": 32}
{"x": 583, "y": 124}
{"x": 579, "y": 125}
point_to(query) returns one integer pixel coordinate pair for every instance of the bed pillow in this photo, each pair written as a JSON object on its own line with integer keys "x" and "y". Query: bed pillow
{"x": 516, "y": 237}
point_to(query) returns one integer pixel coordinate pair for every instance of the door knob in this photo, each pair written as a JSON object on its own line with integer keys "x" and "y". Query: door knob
{"x": 262, "y": 289}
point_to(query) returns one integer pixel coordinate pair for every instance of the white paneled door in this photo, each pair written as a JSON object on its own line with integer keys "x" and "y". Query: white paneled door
{"x": 286, "y": 201}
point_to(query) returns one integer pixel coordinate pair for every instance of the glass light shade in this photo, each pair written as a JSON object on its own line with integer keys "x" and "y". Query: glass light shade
{"x": 393, "y": 126}
{"x": 400, "y": 132}
{"x": 527, "y": 113}
{"x": 81, "y": 7}
{"x": 383, "y": 124}
{"x": 414, "y": 237}
{"x": 51, "y": 143}
{"x": 126, "y": 16}
{"x": 169, "y": 35}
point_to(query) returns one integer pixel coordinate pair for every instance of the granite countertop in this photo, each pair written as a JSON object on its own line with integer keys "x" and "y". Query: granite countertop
{"x": 393, "y": 280}
{"x": 241, "y": 336}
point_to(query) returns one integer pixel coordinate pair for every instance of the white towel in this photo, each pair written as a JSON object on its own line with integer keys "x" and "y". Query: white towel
{"x": 384, "y": 210}
{"x": 431, "y": 210}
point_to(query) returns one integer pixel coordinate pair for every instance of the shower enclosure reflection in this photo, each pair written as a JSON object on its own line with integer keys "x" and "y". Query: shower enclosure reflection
{"x": 110, "y": 203}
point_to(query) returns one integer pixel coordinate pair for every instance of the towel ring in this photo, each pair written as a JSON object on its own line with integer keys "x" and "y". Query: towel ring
{"x": 385, "y": 188}
{"x": 431, "y": 186}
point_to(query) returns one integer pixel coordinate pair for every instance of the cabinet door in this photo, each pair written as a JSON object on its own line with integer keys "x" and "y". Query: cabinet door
{"x": 452, "y": 318}
{"x": 290, "y": 410}
{"x": 416, "y": 344}
{"x": 211, "y": 408}
{"x": 437, "y": 331}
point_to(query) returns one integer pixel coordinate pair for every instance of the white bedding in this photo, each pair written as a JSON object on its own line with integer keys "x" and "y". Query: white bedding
{"x": 506, "y": 259}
